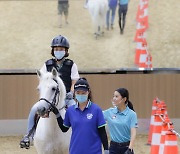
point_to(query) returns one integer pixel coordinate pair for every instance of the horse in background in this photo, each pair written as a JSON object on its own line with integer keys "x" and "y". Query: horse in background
{"x": 49, "y": 139}
{"x": 98, "y": 10}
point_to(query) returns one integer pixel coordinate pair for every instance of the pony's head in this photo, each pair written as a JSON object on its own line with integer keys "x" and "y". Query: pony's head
{"x": 51, "y": 90}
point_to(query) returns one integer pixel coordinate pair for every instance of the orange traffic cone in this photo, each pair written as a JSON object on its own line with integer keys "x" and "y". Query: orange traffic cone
{"x": 165, "y": 127}
{"x": 156, "y": 135}
{"x": 145, "y": 60}
{"x": 138, "y": 12}
{"x": 140, "y": 35}
{"x": 140, "y": 26}
{"x": 143, "y": 15}
{"x": 170, "y": 146}
{"x": 140, "y": 47}
{"x": 154, "y": 108}
{"x": 163, "y": 108}
{"x": 142, "y": 5}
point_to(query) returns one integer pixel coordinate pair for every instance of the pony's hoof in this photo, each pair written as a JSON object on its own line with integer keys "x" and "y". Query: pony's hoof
{"x": 96, "y": 35}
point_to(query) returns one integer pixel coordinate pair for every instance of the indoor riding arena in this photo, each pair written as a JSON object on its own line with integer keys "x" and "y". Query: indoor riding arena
{"x": 27, "y": 28}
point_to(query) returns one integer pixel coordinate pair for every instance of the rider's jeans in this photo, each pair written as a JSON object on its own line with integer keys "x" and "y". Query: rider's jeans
{"x": 38, "y": 105}
{"x": 32, "y": 113}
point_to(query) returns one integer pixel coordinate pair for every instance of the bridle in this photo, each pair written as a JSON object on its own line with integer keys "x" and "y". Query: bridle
{"x": 54, "y": 101}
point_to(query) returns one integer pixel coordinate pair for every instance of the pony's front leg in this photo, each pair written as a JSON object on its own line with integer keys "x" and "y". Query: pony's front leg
{"x": 97, "y": 32}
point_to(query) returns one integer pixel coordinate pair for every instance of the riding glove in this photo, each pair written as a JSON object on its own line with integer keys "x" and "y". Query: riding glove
{"x": 41, "y": 111}
{"x": 69, "y": 95}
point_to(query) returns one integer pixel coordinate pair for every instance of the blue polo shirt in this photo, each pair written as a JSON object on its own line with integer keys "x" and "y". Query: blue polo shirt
{"x": 85, "y": 137}
{"x": 120, "y": 123}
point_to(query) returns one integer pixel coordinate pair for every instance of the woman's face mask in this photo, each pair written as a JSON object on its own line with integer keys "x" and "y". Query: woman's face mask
{"x": 81, "y": 98}
{"x": 59, "y": 54}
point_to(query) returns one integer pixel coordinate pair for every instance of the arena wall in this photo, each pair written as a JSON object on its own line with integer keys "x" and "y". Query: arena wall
{"x": 18, "y": 93}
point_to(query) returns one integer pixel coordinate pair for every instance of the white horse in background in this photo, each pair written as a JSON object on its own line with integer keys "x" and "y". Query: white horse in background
{"x": 98, "y": 10}
{"x": 49, "y": 139}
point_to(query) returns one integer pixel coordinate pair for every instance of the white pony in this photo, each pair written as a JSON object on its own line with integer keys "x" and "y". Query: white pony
{"x": 98, "y": 10}
{"x": 49, "y": 139}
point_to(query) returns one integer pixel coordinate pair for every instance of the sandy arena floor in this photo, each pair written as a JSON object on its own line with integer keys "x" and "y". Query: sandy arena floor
{"x": 10, "y": 145}
{"x": 27, "y": 27}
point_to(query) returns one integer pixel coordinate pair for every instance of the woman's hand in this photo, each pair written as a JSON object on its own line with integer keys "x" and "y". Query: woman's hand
{"x": 55, "y": 110}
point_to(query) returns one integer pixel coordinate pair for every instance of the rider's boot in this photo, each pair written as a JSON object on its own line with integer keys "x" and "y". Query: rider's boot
{"x": 26, "y": 142}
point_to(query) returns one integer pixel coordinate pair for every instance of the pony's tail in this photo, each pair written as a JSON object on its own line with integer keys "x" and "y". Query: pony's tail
{"x": 130, "y": 105}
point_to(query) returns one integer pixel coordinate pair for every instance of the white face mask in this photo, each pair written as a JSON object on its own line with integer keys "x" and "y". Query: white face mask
{"x": 59, "y": 54}
{"x": 81, "y": 98}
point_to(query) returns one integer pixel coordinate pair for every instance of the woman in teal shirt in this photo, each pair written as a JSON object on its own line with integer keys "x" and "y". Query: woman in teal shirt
{"x": 122, "y": 123}
{"x": 123, "y": 8}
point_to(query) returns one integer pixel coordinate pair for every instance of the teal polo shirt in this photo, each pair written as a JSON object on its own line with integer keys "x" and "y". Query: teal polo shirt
{"x": 123, "y": 2}
{"x": 85, "y": 137}
{"x": 120, "y": 123}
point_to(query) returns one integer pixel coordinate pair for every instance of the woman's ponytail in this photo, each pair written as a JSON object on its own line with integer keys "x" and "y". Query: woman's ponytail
{"x": 130, "y": 105}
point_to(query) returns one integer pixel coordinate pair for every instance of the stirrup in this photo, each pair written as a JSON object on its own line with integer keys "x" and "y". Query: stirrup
{"x": 25, "y": 142}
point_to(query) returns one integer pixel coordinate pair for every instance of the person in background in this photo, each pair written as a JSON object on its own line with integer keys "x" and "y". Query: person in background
{"x": 86, "y": 120}
{"x": 68, "y": 72}
{"x": 63, "y": 8}
{"x": 123, "y": 8}
{"x": 86, "y": 4}
{"x": 112, "y": 10}
{"x": 122, "y": 123}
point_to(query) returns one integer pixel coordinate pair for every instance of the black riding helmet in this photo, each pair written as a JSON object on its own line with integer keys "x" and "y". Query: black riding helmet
{"x": 60, "y": 41}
